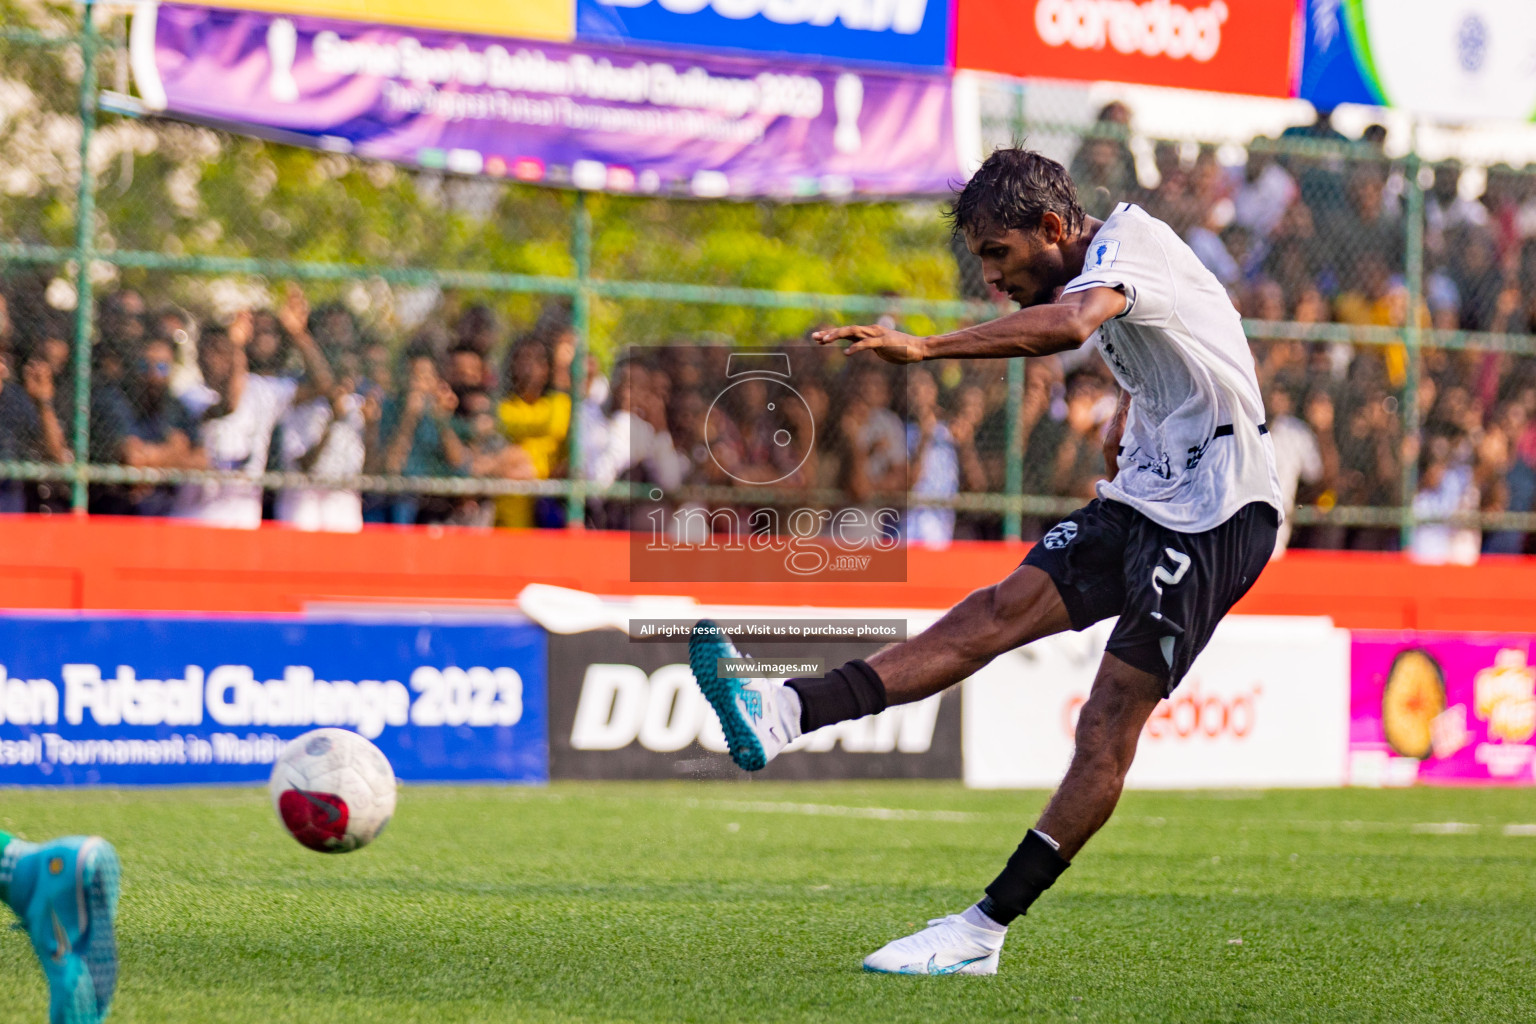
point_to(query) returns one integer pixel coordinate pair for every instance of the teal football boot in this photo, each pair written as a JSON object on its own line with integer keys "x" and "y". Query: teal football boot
{"x": 760, "y": 717}
{"x": 65, "y": 892}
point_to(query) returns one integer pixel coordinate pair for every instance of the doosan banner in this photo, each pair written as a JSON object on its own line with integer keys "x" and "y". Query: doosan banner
{"x": 626, "y": 710}
{"x": 88, "y": 700}
{"x": 624, "y": 704}
{"x": 1442, "y": 709}
{"x": 581, "y": 116}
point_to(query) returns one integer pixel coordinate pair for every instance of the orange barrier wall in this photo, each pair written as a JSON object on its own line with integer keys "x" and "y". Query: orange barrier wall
{"x": 103, "y": 563}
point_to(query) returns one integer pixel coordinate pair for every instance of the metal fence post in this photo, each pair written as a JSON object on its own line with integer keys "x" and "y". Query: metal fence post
{"x": 1013, "y": 482}
{"x": 1413, "y": 271}
{"x": 1013, "y": 441}
{"x": 581, "y": 323}
{"x": 84, "y": 253}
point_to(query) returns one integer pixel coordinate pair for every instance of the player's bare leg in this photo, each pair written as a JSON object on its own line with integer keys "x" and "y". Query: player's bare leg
{"x": 1110, "y": 723}
{"x": 1022, "y": 608}
{"x": 760, "y": 717}
{"x": 1108, "y": 726}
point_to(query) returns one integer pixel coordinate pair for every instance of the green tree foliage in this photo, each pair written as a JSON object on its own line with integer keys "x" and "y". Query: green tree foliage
{"x": 39, "y": 124}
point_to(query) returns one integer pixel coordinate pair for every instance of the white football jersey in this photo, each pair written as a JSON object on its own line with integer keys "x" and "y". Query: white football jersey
{"x": 1195, "y": 449}
{"x": 240, "y": 441}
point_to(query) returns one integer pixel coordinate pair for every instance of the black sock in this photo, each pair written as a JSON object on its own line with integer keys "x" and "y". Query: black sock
{"x": 1033, "y": 868}
{"x": 853, "y": 691}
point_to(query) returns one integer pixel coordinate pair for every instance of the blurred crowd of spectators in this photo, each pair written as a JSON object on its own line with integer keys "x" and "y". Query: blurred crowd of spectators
{"x": 292, "y": 390}
{"x": 1310, "y": 238}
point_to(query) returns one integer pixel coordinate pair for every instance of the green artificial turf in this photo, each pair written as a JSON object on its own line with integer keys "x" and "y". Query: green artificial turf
{"x": 756, "y": 902}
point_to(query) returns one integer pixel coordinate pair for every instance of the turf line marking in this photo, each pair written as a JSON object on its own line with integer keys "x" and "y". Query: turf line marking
{"x": 834, "y": 810}
{"x": 1445, "y": 828}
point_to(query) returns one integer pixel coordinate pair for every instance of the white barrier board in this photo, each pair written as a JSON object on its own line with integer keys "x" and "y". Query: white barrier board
{"x": 1266, "y": 704}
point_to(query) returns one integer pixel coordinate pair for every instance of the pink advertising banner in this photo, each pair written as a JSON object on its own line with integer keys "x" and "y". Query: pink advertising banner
{"x": 1442, "y": 709}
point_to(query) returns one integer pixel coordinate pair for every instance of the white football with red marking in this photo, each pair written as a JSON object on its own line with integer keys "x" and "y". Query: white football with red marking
{"x": 333, "y": 790}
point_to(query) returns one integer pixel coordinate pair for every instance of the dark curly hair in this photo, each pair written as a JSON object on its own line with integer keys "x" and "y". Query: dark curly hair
{"x": 1015, "y": 188}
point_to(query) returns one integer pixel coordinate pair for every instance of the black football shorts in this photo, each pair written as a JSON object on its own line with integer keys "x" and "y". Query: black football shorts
{"x": 1169, "y": 588}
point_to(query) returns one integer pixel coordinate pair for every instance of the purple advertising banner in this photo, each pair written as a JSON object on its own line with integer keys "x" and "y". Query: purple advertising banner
{"x": 1442, "y": 708}
{"x": 578, "y": 116}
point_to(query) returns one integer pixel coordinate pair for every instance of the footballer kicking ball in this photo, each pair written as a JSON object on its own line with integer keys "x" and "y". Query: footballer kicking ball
{"x": 333, "y": 790}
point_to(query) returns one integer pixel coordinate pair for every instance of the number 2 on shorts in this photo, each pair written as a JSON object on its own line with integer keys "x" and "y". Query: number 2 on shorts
{"x": 1161, "y": 575}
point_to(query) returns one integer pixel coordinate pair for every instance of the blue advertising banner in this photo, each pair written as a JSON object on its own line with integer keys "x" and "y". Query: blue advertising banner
{"x": 911, "y": 32}
{"x": 88, "y": 700}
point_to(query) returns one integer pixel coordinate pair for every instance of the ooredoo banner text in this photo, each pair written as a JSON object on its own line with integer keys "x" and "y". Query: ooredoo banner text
{"x": 1241, "y": 46}
{"x": 88, "y": 700}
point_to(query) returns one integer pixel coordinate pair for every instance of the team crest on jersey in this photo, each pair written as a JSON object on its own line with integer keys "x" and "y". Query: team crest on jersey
{"x": 1102, "y": 253}
{"x": 1060, "y": 536}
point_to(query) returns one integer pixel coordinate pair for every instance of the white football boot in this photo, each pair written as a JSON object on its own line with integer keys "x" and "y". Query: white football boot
{"x": 759, "y": 717}
{"x": 949, "y": 945}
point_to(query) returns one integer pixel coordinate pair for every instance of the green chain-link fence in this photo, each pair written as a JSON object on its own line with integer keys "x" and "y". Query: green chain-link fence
{"x": 1390, "y": 303}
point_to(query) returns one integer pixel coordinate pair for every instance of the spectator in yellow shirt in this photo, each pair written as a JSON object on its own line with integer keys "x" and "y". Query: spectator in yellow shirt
{"x": 537, "y": 419}
{"x": 1381, "y": 301}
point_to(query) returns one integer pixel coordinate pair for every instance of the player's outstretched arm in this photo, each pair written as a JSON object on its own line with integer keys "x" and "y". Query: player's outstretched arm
{"x": 1033, "y": 331}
